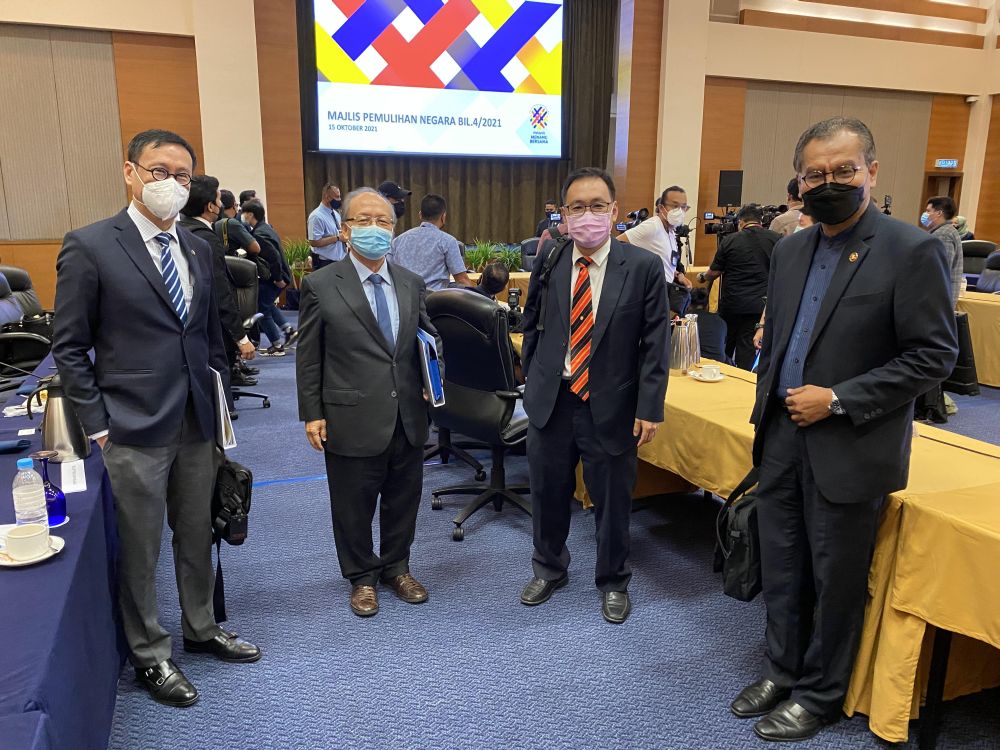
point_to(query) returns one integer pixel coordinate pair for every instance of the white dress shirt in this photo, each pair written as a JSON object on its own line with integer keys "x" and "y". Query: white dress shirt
{"x": 148, "y": 231}
{"x": 387, "y": 286}
{"x": 596, "y": 271}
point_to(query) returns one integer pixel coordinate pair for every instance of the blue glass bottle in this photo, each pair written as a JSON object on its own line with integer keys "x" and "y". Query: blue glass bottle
{"x": 55, "y": 499}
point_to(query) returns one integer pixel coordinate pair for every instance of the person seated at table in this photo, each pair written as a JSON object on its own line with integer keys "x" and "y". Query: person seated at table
{"x": 963, "y": 228}
{"x": 429, "y": 251}
{"x": 711, "y": 327}
{"x": 493, "y": 280}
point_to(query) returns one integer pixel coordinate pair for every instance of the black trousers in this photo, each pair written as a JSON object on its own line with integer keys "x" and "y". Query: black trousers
{"x": 815, "y": 556}
{"x": 396, "y": 477}
{"x": 318, "y": 261}
{"x": 553, "y": 453}
{"x": 739, "y": 338}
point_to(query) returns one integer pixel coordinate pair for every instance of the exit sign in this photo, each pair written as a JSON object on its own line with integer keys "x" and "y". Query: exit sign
{"x": 946, "y": 164}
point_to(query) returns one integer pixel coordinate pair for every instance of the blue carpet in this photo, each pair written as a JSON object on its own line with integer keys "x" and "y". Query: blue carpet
{"x": 471, "y": 668}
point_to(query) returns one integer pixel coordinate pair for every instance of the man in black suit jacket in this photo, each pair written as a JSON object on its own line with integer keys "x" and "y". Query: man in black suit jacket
{"x": 361, "y": 397}
{"x": 595, "y": 361}
{"x": 853, "y": 335}
{"x": 138, "y": 291}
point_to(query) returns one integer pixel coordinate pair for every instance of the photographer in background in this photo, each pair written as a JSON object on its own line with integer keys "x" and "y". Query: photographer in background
{"x": 743, "y": 259}
{"x": 785, "y": 223}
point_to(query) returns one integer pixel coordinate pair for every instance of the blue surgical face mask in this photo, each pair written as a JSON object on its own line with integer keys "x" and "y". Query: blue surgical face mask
{"x": 371, "y": 242}
{"x": 925, "y": 219}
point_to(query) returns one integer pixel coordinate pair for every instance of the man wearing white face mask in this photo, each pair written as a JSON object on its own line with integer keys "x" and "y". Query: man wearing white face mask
{"x": 137, "y": 290}
{"x": 361, "y": 398}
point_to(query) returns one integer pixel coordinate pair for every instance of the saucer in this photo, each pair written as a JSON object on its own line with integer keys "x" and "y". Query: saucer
{"x": 56, "y": 544}
{"x": 697, "y": 375}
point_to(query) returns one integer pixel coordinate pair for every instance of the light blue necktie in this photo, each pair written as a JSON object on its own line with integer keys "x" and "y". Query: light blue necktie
{"x": 382, "y": 311}
{"x": 171, "y": 278}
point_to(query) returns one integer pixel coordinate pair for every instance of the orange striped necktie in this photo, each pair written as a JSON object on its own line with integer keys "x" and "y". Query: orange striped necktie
{"x": 581, "y": 330}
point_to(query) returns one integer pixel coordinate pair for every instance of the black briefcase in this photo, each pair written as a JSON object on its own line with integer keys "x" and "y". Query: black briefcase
{"x": 739, "y": 542}
{"x": 230, "y": 520}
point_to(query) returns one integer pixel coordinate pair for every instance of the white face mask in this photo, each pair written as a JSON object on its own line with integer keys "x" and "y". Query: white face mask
{"x": 164, "y": 199}
{"x": 675, "y": 217}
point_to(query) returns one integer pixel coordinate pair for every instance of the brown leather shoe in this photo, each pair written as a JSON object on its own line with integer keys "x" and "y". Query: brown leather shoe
{"x": 408, "y": 589}
{"x": 364, "y": 601}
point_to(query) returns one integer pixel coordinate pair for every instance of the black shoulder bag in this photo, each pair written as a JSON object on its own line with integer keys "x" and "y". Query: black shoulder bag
{"x": 739, "y": 543}
{"x": 543, "y": 277}
{"x": 230, "y": 512}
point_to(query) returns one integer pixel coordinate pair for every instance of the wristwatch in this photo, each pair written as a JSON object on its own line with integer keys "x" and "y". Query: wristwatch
{"x": 835, "y": 406}
{"x": 758, "y": 326}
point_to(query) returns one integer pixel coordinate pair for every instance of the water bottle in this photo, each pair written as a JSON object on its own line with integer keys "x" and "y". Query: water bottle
{"x": 29, "y": 494}
{"x": 963, "y": 287}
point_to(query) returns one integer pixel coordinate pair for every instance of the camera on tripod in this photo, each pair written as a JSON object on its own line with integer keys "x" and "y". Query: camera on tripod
{"x": 633, "y": 219}
{"x": 720, "y": 225}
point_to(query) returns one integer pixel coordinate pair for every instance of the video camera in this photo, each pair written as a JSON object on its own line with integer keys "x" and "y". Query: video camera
{"x": 727, "y": 224}
{"x": 633, "y": 219}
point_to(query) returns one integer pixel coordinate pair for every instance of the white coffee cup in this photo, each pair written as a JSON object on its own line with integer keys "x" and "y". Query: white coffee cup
{"x": 27, "y": 542}
{"x": 710, "y": 372}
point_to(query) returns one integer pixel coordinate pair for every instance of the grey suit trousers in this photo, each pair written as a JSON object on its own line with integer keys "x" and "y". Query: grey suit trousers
{"x": 178, "y": 478}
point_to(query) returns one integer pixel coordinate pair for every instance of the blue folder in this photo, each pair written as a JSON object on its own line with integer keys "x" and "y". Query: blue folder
{"x": 431, "y": 367}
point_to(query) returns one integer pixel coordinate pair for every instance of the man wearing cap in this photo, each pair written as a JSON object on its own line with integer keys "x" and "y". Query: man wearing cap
{"x": 396, "y": 195}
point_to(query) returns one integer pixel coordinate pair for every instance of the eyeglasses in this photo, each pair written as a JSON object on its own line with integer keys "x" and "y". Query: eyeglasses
{"x": 843, "y": 174}
{"x": 367, "y": 221}
{"x": 672, "y": 206}
{"x": 160, "y": 174}
{"x": 595, "y": 208}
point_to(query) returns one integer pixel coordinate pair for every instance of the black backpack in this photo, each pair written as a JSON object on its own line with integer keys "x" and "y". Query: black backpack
{"x": 230, "y": 517}
{"x": 739, "y": 543}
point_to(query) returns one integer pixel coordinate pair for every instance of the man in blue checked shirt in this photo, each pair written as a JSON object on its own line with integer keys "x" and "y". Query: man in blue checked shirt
{"x": 325, "y": 235}
{"x": 429, "y": 252}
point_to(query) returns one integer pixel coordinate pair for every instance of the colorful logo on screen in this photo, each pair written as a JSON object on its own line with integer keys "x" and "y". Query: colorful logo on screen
{"x": 504, "y": 46}
{"x": 539, "y": 117}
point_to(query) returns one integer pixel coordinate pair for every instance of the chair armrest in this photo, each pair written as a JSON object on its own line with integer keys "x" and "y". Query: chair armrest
{"x": 512, "y": 395}
{"x": 24, "y": 336}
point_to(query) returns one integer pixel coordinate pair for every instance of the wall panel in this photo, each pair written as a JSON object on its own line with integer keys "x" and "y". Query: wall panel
{"x": 987, "y": 225}
{"x": 949, "y": 128}
{"x": 38, "y": 258}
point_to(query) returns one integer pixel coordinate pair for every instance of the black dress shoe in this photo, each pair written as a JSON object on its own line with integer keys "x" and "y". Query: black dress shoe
{"x": 247, "y": 369}
{"x": 789, "y": 722}
{"x": 758, "y": 699}
{"x": 238, "y": 378}
{"x": 167, "y": 684}
{"x": 226, "y": 646}
{"x": 539, "y": 591}
{"x": 616, "y": 606}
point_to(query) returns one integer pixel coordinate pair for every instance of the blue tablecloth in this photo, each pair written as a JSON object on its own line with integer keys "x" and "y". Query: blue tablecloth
{"x": 62, "y": 649}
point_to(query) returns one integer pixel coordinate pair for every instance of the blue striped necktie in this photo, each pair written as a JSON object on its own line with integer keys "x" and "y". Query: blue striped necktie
{"x": 171, "y": 278}
{"x": 382, "y": 311}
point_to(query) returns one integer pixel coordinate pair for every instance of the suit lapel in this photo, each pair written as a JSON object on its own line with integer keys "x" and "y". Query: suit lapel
{"x": 559, "y": 283}
{"x": 350, "y": 289}
{"x": 131, "y": 242}
{"x": 615, "y": 273}
{"x": 198, "y": 284}
{"x": 406, "y": 303}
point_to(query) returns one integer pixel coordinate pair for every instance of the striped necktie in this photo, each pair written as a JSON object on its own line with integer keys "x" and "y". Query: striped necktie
{"x": 581, "y": 331}
{"x": 171, "y": 278}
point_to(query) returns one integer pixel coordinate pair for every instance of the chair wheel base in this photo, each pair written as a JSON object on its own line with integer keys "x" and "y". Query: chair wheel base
{"x": 266, "y": 404}
{"x": 481, "y": 476}
{"x": 458, "y": 534}
{"x": 437, "y": 503}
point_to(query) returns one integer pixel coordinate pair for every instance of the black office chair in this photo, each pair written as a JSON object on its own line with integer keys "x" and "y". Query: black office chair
{"x": 989, "y": 279}
{"x": 529, "y": 249}
{"x": 974, "y": 254}
{"x": 27, "y": 338}
{"x": 244, "y": 275}
{"x": 482, "y": 398}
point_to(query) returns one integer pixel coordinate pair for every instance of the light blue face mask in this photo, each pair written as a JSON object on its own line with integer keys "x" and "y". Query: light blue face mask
{"x": 371, "y": 242}
{"x": 925, "y": 219}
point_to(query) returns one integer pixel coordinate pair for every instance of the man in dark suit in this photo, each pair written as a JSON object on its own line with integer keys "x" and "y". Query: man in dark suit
{"x": 852, "y": 337}
{"x": 742, "y": 260}
{"x": 138, "y": 291}
{"x": 595, "y": 362}
{"x": 361, "y": 398}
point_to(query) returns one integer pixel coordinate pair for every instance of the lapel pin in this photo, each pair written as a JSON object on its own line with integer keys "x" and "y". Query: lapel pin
{"x": 852, "y": 257}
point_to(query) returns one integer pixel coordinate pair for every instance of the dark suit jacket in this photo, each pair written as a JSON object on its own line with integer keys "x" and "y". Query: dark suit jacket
{"x": 344, "y": 369}
{"x": 885, "y": 334}
{"x": 629, "y": 348}
{"x": 229, "y": 311}
{"x": 110, "y": 298}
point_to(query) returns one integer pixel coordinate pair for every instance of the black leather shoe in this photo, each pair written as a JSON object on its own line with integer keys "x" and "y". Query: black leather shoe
{"x": 226, "y": 646}
{"x": 238, "y": 378}
{"x": 247, "y": 369}
{"x": 789, "y": 722}
{"x": 616, "y": 607}
{"x": 758, "y": 699}
{"x": 539, "y": 591}
{"x": 167, "y": 684}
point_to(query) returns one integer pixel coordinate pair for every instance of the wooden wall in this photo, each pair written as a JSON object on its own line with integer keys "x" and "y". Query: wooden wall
{"x": 280, "y": 118}
{"x": 946, "y": 139}
{"x": 988, "y": 224}
{"x": 721, "y": 148}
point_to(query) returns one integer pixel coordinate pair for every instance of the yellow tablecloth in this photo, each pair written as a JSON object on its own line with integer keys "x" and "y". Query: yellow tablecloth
{"x": 984, "y": 325}
{"x": 713, "y": 294}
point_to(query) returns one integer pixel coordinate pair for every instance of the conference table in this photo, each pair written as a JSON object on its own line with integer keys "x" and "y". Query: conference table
{"x": 984, "y": 327}
{"x": 61, "y": 650}
{"x": 935, "y": 561}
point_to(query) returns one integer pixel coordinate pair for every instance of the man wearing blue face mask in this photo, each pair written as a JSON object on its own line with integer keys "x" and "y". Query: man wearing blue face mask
{"x": 361, "y": 397}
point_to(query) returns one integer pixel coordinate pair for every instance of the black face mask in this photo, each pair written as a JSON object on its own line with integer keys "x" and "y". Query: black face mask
{"x": 833, "y": 203}
{"x": 335, "y": 204}
{"x": 399, "y": 209}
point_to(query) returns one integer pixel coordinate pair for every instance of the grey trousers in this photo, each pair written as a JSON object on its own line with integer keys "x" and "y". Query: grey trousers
{"x": 145, "y": 481}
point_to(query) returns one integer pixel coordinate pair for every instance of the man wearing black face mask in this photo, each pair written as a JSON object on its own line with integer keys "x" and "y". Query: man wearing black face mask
{"x": 396, "y": 195}
{"x": 853, "y": 336}
{"x": 325, "y": 233}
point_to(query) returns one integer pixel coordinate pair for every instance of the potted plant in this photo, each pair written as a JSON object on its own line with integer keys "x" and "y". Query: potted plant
{"x": 297, "y": 254}
{"x": 510, "y": 257}
{"x": 479, "y": 255}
